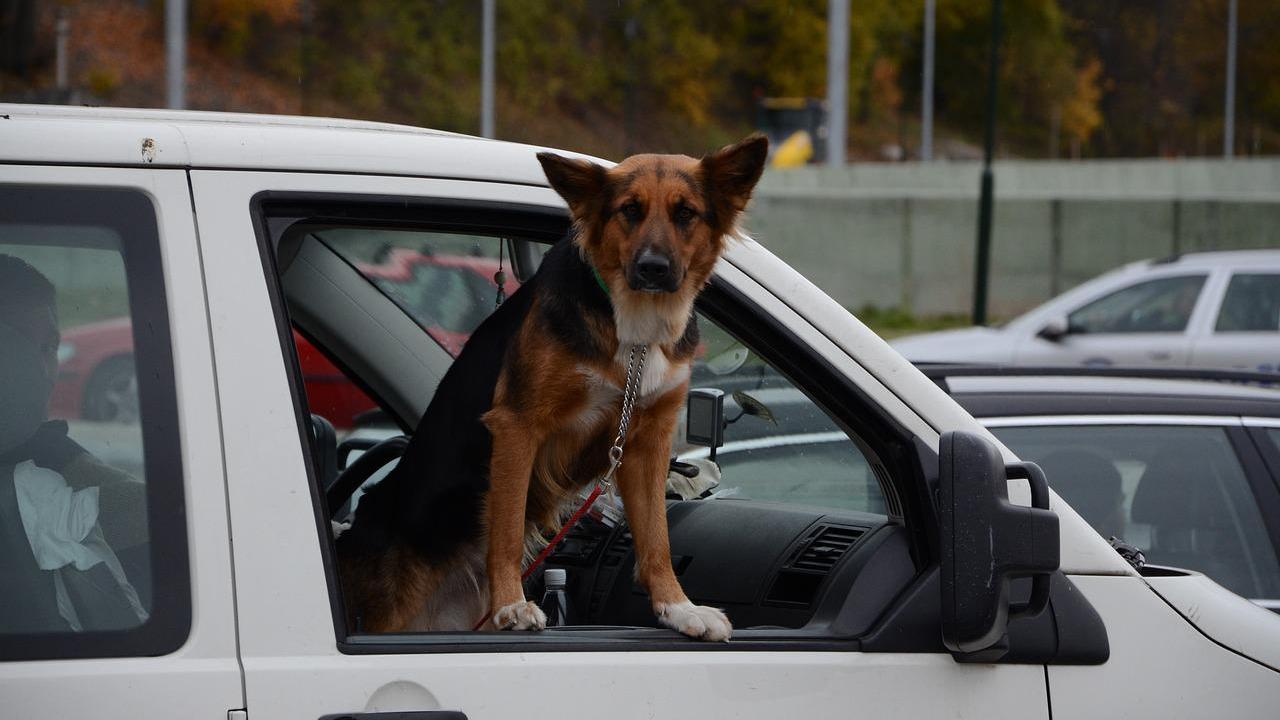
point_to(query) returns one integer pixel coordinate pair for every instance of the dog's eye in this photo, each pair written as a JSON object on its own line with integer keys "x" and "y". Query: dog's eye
{"x": 631, "y": 211}
{"x": 684, "y": 214}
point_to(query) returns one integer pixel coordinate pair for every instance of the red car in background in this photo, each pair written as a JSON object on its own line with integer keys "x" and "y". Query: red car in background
{"x": 448, "y": 295}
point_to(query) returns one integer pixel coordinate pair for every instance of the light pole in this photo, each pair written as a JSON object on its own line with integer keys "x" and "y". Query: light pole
{"x": 983, "y": 264}
{"x": 175, "y": 15}
{"x": 926, "y": 83}
{"x": 837, "y": 79}
{"x": 486, "y": 70}
{"x": 1229, "y": 115}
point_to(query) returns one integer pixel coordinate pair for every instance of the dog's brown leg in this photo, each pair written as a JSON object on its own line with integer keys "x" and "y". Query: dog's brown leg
{"x": 642, "y": 481}
{"x": 514, "y": 449}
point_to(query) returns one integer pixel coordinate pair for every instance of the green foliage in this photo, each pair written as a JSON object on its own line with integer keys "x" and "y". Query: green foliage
{"x": 894, "y": 322}
{"x": 616, "y": 76}
{"x": 1164, "y": 74}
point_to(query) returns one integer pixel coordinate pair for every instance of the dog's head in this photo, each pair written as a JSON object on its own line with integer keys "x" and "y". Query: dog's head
{"x": 655, "y": 224}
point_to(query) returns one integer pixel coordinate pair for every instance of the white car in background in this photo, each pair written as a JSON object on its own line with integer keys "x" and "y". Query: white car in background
{"x": 1211, "y": 310}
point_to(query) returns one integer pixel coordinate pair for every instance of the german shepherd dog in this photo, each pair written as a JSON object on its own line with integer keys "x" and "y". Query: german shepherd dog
{"x": 525, "y": 417}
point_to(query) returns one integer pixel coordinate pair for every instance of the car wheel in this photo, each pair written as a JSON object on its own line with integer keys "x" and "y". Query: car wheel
{"x": 112, "y": 393}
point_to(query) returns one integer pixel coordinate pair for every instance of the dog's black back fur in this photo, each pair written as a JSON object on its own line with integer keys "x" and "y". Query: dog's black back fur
{"x": 432, "y": 500}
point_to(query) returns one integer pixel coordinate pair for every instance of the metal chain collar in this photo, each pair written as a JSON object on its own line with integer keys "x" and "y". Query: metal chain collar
{"x": 635, "y": 370}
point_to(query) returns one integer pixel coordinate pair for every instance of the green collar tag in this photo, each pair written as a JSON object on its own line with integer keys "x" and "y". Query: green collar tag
{"x": 599, "y": 280}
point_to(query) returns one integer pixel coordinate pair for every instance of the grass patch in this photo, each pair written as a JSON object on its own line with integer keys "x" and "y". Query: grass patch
{"x": 895, "y": 322}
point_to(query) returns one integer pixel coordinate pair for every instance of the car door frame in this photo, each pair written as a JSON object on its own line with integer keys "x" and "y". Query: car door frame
{"x": 293, "y": 663}
{"x": 201, "y": 677}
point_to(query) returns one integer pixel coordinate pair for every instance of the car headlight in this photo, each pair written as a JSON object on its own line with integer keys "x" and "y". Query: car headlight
{"x": 66, "y": 351}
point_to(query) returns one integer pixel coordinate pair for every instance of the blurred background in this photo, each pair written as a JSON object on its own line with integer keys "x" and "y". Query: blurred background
{"x": 1122, "y": 130}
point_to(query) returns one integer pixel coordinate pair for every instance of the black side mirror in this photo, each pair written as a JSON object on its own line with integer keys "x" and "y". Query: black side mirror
{"x": 986, "y": 541}
{"x": 704, "y": 421}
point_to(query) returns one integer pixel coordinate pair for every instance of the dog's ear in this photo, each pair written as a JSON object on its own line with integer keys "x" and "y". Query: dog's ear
{"x": 731, "y": 174}
{"x": 579, "y": 182}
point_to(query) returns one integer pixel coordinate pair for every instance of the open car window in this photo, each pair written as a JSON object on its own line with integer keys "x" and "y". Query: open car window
{"x": 809, "y": 489}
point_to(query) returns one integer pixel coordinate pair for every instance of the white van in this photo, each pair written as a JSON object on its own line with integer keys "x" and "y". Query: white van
{"x": 185, "y": 566}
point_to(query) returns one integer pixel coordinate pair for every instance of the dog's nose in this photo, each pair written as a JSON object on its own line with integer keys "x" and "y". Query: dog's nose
{"x": 653, "y": 269}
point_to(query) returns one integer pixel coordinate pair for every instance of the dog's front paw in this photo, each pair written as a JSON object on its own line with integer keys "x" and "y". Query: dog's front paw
{"x": 696, "y": 621}
{"x": 523, "y": 615}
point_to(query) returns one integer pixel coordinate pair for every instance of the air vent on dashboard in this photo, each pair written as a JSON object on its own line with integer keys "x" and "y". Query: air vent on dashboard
{"x": 797, "y": 583}
{"x": 828, "y": 545}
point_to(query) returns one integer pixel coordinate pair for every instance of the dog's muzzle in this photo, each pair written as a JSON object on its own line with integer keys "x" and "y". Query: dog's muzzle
{"x": 652, "y": 272}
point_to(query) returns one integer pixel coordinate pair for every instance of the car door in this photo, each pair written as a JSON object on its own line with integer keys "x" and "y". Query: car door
{"x": 114, "y": 553}
{"x": 1144, "y": 324}
{"x": 301, "y": 661}
{"x": 1244, "y": 327}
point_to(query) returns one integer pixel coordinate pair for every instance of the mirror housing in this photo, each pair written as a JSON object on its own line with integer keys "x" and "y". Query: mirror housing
{"x": 986, "y": 541}
{"x": 1056, "y": 329}
{"x": 704, "y": 418}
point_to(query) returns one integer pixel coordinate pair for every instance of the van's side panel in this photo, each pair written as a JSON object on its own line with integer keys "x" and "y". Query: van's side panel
{"x": 1160, "y": 667}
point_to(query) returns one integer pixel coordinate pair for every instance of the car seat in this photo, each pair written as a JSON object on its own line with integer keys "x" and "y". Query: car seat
{"x": 1180, "y": 494}
{"x": 1091, "y": 484}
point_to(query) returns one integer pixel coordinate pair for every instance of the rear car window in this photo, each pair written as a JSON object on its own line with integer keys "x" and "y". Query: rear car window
{"x": 1252, "y": 304}
{"x": 92, "y": 542}
{"x": 1178, "y": 493}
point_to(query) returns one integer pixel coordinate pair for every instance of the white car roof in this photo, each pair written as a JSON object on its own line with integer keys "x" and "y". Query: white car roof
{"x": 1219, "y": 258}
{"x": 60, "y": 134}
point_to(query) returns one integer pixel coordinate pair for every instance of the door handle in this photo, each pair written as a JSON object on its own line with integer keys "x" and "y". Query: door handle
{"x": 1159, "y": 354}
{"x": 405, "y": 715}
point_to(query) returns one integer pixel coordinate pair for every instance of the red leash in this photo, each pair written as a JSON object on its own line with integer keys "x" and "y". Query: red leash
{"x": 551, "y": 546}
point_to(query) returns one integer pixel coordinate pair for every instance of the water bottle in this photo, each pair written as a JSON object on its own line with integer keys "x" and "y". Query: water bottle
{"x": 554, "y": 601}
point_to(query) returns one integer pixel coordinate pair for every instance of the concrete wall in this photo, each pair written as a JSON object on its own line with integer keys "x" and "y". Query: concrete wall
{"x": 903, "y": 235}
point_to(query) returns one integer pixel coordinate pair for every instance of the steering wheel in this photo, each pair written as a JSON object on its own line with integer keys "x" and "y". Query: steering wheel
{"x": 362, "y": 469}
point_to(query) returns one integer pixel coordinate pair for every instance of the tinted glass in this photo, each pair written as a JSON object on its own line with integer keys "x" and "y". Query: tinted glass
{"x": 88, "y": 436}
{"x": 1162, "y": 305}
{"x": 1252, "y": 304}
{"x": 1178, "y": 493}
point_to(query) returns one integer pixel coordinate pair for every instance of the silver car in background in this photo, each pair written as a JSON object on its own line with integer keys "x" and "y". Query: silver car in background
{"x": 1210, "y": 310}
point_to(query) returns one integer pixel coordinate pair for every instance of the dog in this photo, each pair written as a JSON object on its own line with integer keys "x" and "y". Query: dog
{"x": 526, "y": 415}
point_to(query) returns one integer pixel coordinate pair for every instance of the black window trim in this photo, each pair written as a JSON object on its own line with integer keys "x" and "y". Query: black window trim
{"x": 845, "y": 402}
{"x": 1261, "y": 484}
{"x": 133, "y": 216}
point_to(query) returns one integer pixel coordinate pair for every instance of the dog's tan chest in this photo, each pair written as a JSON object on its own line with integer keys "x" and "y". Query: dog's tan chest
{"x": 604, "y": 391}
